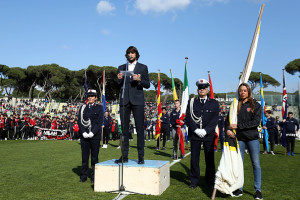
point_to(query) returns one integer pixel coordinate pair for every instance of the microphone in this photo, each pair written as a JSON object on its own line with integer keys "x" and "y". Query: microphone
{"x": 128, "y": 57}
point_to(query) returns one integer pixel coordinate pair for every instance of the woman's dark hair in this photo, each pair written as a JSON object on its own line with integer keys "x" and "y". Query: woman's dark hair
{"x": 132, "y": 49}
{"x": 250, "y": 98}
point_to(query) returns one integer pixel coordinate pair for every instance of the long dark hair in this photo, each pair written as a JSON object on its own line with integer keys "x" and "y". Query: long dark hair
{"x": 132, "y": 49}
{"x": 250, "y": 98}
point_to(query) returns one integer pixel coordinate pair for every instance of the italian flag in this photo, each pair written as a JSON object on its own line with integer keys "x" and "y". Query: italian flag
{"x": 184, "y": 102}
{"x": 185, "y": 93}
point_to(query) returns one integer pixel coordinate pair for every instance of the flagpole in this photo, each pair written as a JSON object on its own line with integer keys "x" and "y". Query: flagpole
{"x": 283, "y": 129}
{"x": 159, "y": 118}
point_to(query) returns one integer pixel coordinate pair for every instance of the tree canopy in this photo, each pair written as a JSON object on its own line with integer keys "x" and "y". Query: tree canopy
{"x": 54, "y": 81}
{"x": 254, "y": 80}
{"x": 293, "y": 66}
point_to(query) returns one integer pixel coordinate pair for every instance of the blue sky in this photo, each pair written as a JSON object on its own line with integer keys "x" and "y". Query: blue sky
{"x": 214, "y": 34}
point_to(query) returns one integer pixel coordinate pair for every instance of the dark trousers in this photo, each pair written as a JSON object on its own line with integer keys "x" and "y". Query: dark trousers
{"x": 75, "y": 135}
{"x": 2, "y": 136}
{"x": 115, "y": 135}
{"x": 138, "y": 114}
{"x": 209, "y": 161}
{"x": 163, "y": 134}
{"x": 150, "y": 133}
{"x": 106, "y": 133}
{"x": 221, "y": 136}
{"x": 271, "y": 139}
{"x": 88, "y": 147}
{"x": 276, "y": 136}
{"x": 290, "y": 141}
{"x": 11, "y": 133}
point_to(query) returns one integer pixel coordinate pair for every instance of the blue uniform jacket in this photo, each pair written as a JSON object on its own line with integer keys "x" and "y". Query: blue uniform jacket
{"x": 95, "y": 114}
{"x": 107, "y": 122}
{"x": 291, "y": 125}
{"x": 209, "y": 113}
{"x": 165, "y": 121}
{"x": 271, "y": 125}
{"x": 173, "y": 117}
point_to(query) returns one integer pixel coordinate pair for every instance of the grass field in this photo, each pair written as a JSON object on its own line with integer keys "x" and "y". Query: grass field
{"x": 51, "y": 169}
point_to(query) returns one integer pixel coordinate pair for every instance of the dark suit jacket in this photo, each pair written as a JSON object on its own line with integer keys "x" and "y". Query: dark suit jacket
{"x": 133, "y": 89}
{"x": 210, "y": 118}
{"x": 95, "y": 113}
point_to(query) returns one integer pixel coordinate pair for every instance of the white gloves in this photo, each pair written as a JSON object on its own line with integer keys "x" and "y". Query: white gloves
{"x": 88, "y": 135}
{"x": 91, "y": 134}
{"x": 85, "y": 135}
{"x": 200, "y": 132}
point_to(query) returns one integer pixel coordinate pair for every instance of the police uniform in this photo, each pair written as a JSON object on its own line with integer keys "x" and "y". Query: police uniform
{"x": 202, "y": 119}
{"x": 90, "y": 120}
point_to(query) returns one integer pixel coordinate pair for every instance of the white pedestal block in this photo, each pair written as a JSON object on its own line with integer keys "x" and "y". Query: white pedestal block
{"x": 152, "y": 178}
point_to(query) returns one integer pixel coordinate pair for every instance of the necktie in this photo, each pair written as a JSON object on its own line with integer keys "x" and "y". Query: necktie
{"x": 202, "y": 101}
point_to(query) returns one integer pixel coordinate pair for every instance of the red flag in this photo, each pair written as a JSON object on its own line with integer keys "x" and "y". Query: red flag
{"x": 210, "y": 87}
{"x": 180, "y": 134}
{"x": 159, "y": 111}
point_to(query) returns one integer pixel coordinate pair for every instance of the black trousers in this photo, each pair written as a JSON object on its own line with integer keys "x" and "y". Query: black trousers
{"x": 290, "y": 141}
{"x": 88, "y": 147}
{"x": 271, "y": 139}
{"x": 209, "y": 161}
{"x": 163, "y": 134}
{"x": 11, "y": 133}
{"x": 106, "y": 133}
{"x": 138, "y": 115}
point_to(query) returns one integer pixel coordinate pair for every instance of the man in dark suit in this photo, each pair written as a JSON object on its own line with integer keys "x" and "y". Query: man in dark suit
{"x": 90, "y": 120}
{"x": 132, "y": 100}
{"x": 202, "y": 119}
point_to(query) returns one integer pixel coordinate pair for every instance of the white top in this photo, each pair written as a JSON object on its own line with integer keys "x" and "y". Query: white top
{"x": 131, "y": 66}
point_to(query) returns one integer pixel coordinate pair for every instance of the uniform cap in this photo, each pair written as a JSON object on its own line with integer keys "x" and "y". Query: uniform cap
{"x": 92, "y": 92}
{"x": 202, "y": 83}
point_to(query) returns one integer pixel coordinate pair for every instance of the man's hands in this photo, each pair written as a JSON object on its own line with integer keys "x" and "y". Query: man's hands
{"x": 88, "y": 135}
{"x": 230, "y": 134}
{"x": 120, "y": 75}
{"x": 200, "y": 132}
{"x": 136, "y": 77}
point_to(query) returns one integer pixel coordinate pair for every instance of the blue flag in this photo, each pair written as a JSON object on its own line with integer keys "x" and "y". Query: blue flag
{"x": 284, "y": 112}
{"x": 264, "y": 118}
{"x": 85, "y": 88}
{"x": 103, "y": 96}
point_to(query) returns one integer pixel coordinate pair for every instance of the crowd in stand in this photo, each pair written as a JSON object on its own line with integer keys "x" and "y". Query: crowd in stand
{"x": 23, "y": 120}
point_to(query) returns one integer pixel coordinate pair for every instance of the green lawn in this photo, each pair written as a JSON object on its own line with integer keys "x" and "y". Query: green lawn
{"x": 50, "y": 170}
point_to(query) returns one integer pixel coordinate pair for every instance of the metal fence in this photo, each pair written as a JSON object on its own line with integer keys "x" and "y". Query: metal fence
{"x": 293, "y": 100}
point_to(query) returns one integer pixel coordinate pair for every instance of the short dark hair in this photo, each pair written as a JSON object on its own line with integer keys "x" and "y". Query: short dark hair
{"x": 176, "y": 101}
{"x": 163, "y": 108}
{"x": 132, "y": 49}
{"x": 290, "y": 113}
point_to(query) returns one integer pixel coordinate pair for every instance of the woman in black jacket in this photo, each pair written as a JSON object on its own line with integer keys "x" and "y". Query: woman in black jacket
{"x": 248, "y": 119}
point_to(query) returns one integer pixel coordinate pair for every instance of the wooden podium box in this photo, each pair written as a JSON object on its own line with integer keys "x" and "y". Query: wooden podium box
{"x": 151, "y": 178}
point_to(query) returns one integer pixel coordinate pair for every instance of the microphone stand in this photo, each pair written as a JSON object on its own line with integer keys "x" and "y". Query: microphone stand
{"x": 121, "y": 186}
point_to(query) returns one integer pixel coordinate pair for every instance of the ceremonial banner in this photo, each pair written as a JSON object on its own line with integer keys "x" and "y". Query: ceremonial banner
{"x": 264, "y": 118}
{"x": 211, "y": 90}
{"x": 184, "y": 103}
{"x": 284, "y": 112}
{"x": 86, "y": 88}
{"x": 103, "y": 96}
{"x": 52, "y": 133}
{"x": 173, "y": 87}
{"x": 230, "y": 174}
{"x": 159, "y": 111}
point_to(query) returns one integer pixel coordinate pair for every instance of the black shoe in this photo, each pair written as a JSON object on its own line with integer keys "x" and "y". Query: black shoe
{"x": 237, "y": 193}
{"x": 258, "y": 195}
{"x": 163, "y": 148}
{"x": 82, "y": 180}
{"x": 141, "y": 162}
{"x": 120, "y": 160}
{"x": 193, "y": 186}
